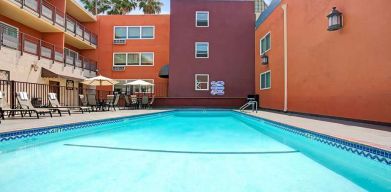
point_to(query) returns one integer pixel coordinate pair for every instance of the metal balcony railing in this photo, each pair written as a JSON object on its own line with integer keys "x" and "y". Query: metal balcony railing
{"x": 74, "y": 59}
{"x": 79, "y": 30}
{"x": 32, "y": 45}
{"x": 49, "y": 12}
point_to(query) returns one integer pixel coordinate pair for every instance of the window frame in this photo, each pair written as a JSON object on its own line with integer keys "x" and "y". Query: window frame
{"x": 195, "y": 82}
{"x": 140, "y": 28}
{"x": 195, "y": 50}
{"x": 126, "y": 36}
{"x": 270, "y": 42}
{"x": 196, "y": 18}
{"x": 139, "y": 61}
{"x": 260, "y": 80}
{"x": 126, "y": 59}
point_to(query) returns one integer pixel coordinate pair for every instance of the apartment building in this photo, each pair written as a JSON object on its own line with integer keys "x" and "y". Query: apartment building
{"x": 302, "y": 66}
{"x": 211, "y": 52}
{"x": 134, "y": 47}
{"x": 46, "y": 42}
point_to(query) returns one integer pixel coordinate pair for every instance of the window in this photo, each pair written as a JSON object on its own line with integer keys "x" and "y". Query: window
{"x": 120, "y": 32}
{"x": 10, "y": 35}
{"x": 146, "y": 58}
{"x": 202, "y": 50}
{"x": 147, "y": 32}
{"x": 134, "y": 32}
{"x": 265, "y": 80}
{"x": 119, "y": 59}
{"x": 265, "y": 44}
{"x": 133, "y": 59}
{"x": 133, "y": 89}
{"x": 202, "y": 19}
{"x": 201, "y": 82}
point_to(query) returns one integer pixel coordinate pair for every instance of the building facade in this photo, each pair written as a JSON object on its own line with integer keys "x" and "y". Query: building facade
{"x": 344, "y": 73}
{"x": 209, "y": 42}
{"x": 45, "y": 41}
{"x": 134, "y": 47}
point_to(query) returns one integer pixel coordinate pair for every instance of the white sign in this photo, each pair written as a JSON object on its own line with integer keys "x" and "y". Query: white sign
{"x": 217, "y": 87}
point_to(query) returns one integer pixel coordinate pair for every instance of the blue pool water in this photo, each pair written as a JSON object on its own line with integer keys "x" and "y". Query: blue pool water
{"x": 185, "y": 151}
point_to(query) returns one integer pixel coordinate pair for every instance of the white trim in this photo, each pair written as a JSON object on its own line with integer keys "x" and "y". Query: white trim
{"x": 260, "y": 43}
{"x": 140, "y": 28}
{"x": 195, "y": 50}
{"x": 196, "y": 18}
{"x": 139, "y": 54}
{"x": 260, "y": 80}
{"x": 284, "y": 7}
{"x": 195, "y": 83}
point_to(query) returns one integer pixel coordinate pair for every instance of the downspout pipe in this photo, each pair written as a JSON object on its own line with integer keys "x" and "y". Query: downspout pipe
{"x": 284, "y": 8}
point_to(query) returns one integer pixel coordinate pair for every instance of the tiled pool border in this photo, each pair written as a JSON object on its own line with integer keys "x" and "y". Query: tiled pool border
{"x": 370, "y": 152}
{"x": 366, "y": 151}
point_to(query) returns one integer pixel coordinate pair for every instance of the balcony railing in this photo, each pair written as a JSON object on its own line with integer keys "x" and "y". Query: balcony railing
{"x": 49, "y": 12}
{"x": 79, "y": 30}
{"x": 32, "y": 45}
{"x": 74, "y": 59}
{"x": 45, "y": 10}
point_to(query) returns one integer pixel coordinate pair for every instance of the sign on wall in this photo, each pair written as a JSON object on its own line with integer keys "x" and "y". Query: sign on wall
{"x": 217, "y": 87}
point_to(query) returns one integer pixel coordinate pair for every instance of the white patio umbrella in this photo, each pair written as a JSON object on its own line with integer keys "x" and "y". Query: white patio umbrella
{"x": 99, "y": 81}
{"x": 139, "y": 82}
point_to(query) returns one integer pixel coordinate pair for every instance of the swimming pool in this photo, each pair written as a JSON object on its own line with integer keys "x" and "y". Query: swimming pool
{"x": 193, "y": 150}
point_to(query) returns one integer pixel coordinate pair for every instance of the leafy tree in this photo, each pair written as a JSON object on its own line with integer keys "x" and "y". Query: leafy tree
{"x": 150, "y": 6}
{"x": 102, "y": 5}
{"x": 122, "y": 7}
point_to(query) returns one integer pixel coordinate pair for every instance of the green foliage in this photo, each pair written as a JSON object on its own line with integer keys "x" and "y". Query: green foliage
{"x": 150, "y": 6}
{"x": 122, "y": 7}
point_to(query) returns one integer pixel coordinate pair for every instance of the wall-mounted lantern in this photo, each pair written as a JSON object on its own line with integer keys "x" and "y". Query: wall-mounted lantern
{"x": 265, "y": 59}
{"x": 335, "y": 20}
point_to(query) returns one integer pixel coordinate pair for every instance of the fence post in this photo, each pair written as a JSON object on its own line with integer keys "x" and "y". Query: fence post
{"x": 12, "y": 94}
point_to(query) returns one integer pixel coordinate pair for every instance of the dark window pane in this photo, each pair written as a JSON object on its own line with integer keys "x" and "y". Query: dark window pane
{"x": 146, "y": 58}
{"x": 120, "y": 33}
{"x": 147, "y": 32}
{"x": 134, "y": 32}
{"x": 133, "y": 59}
{"x": 202, "y": 19}
{"x": 120, "y": 59}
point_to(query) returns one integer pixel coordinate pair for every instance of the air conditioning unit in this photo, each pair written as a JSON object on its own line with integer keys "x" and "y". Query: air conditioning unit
{"x": 119, "y": 41}
{"x": 116, "y": 68}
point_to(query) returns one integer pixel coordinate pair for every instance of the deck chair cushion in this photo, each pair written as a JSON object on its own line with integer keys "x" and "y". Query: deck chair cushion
{"x": 52, "y": 96}
{"x": 23, "y": 96}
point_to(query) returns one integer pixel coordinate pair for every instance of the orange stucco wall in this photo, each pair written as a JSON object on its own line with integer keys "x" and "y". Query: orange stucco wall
{"x": 346, "y": 73}
{"x": 159, "y": 45}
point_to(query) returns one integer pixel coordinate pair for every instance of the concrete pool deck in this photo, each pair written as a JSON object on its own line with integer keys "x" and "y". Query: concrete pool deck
{"x": 368, "y": 134}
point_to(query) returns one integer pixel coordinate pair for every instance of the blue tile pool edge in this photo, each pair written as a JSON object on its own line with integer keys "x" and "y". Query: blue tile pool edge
{"x": 20, "y": 134}
{"x": 370, "y": 152}
{"x": 366, "y": 151}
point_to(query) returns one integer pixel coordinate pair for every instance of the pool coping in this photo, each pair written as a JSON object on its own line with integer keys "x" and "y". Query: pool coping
{"x": 350, "y": 145}
{"x": 362, "y": 149}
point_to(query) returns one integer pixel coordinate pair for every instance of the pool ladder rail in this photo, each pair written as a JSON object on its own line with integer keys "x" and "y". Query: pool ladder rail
{"x": 250, "y": 103}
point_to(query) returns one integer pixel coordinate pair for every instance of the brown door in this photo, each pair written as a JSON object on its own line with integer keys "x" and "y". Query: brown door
{"x": 54, "y": 87}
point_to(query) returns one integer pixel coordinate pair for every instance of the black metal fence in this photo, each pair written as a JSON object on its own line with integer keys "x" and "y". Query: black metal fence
{"x": 67, "y": 96}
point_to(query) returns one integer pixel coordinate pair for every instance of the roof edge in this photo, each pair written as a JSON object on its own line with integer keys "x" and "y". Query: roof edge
{"x": 268, "y": 11}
